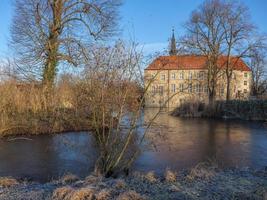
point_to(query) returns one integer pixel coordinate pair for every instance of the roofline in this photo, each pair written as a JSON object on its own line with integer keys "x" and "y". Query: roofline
{"x": 193, "y": 69}
{"x": 195, "y": 55}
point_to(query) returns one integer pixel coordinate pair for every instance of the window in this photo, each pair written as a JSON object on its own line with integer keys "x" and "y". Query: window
{"x": 198, "y": 88}
{"x": 200, "y": 75}
{"x": 162, "y": 77}
{"x": 154, "y": 89}
{"x": 245, "y": 74}
{"x": 173, "y": 88}
{"x": 161, "y": 90}
{"x": 181, "y": 87}
{"x": 245, "y": 83}
{"x": 190, "y": 88}
{"x": 245, "y": 91}
{"x": 206, "y": 90}
{"x": 173, "y": 76}
{"x": 201, "y": 89}
{"x": 190, "y": 75}
{"x": 181, "y": 76}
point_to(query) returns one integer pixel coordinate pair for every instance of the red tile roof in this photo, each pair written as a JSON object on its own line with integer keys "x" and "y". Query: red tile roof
{"x": 187, "y": 62}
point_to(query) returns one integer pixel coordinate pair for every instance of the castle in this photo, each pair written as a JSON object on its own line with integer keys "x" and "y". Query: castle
{"x": 174, "y": 79}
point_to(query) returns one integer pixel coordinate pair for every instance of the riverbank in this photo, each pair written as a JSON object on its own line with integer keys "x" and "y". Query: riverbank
{"x": 201, "y": 182}
{"x": 254, "y": 110}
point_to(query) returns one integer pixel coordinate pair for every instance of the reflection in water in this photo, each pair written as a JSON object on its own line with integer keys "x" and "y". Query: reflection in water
{"x": 46, "y": 156}
{"x": 182, "y": 143}
{"x": 174, "y": 142}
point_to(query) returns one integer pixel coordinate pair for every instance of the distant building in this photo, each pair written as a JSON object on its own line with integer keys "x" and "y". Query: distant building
{"x": 175, "y": 79}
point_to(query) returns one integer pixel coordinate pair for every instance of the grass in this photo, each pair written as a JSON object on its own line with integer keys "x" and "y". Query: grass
{"x": 8, "y": 182}
{"x": 204, "y": 170}
{"x": 69, "y": 178}
{"x": 103, "y": 194}
{"x": 28, "y": 109}
{"x": 120, "y": 184}
{"x": 170, "y": 176}
{"x": 63, "y": 193}
{"x": 83, "y": 194}
{"x": 204, "y": 181}
{"x": 151, "y": 177}
{"x": 130, "y": 195}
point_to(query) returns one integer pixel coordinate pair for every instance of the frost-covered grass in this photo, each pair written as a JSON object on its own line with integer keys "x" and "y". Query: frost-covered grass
{"x": 201, "y": 182}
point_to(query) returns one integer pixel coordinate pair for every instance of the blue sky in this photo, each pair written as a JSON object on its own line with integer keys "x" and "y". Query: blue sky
{"x": 149, "y": 22}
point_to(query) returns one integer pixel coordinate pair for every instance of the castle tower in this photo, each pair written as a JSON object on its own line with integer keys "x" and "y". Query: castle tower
{"x": 173, "y": 50}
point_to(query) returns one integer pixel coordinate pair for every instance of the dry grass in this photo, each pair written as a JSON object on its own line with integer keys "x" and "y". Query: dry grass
{"x": 120, "y": 184}
{"x": 26, "y": 108}
{"x": 151, "y": 177}
{"x": 83, "y": 194}
{"x": 92, "y": 179}
{"x": 202, "y": 171}
{"x": 69, "y": 178}
{"x": 130, "y": 195}
{"x": 8, "y": 182}
{"x": 103, "y": 195}
{"x": 63, "y": 193}
{"x": 170, "y": 176}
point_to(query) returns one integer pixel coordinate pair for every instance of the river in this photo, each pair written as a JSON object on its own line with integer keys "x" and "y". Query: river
{"x": 174, "y": 143}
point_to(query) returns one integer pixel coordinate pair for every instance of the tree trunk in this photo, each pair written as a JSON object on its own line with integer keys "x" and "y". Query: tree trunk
{"x": 49, "y": 72}
{"x": 228, "y": 83}
{"x": 50, "y": 68}
{"x": 211, "y": 98}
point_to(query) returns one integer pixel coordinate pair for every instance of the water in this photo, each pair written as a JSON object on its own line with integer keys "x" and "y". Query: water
{"x": 175, "y": 143}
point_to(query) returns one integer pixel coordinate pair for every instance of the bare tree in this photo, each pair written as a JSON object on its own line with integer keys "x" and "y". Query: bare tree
{"x": 205, "y": 36}
{"x": 48, "y": 32}
{"x": 115, "y": 101}
{"x": 259, "y": 72}
{"x": 240, "y": 37}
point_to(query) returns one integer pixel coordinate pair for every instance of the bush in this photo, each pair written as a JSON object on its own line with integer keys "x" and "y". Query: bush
{"x": 190, "y": 109}
{"x": 236, "y": 109}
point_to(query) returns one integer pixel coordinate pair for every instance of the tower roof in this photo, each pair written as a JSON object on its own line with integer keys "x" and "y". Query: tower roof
{"x": 173, "y": 50}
